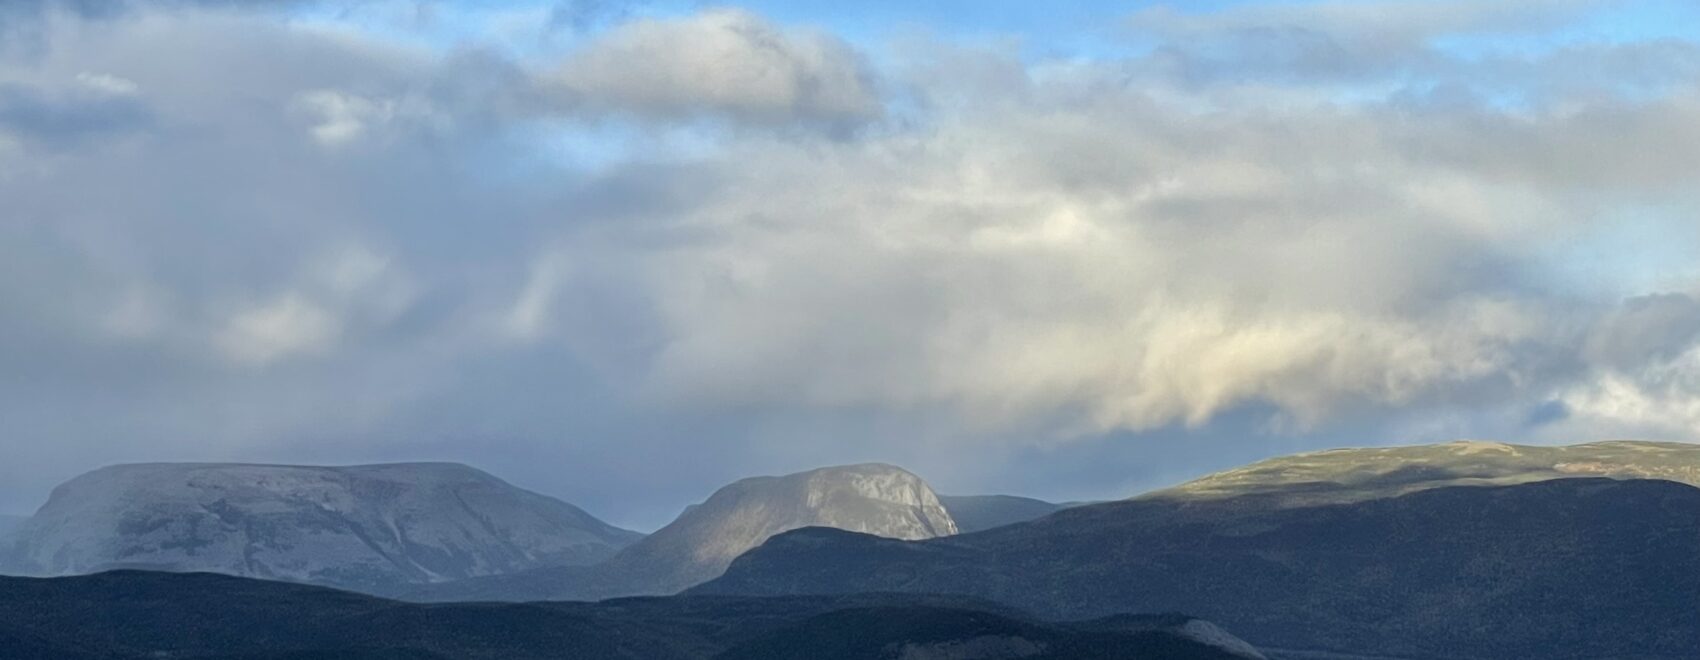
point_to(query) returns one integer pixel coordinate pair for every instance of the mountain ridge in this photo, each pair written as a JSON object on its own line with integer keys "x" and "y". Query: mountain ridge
{"x": 1357, "y": 473}
{"x": 1562, "y": 568}
{"x": 877, "y": 498}
{"x": 359, "y": 526}
{"x": 974, "y": 513}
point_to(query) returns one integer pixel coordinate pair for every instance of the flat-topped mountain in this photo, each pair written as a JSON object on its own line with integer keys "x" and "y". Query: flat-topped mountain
{"x": 1561, "y": 568}
{"x": 358, "y": 527}
{"x": 881, "y": 500}
{"x": 1342, "y": 475}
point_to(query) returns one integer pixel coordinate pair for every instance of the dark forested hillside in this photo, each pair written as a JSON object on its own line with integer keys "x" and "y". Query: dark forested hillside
{"x": 1577, "y": 568}
{"x": 130, "y": 615}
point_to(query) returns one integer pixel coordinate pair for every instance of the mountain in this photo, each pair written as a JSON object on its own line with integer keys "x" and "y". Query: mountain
{"x": 1347, "y": 475}
{"x": 881, "y": 500}
{"x": 361, "y": 527}
{"x": 973, "y": 513}
{"x": 1564, "y": 568}
{"x": 131, "y": 615}
{"x": 8, "y": 523}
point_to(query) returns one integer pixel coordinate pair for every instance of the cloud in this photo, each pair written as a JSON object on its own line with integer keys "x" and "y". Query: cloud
{"x": 1131, "y": 264}
{"x": 1646, "y": 329}
{"x": 107, "y": 83}
{"x": 1660, "y": 400}
{"x": 1645, "y": 379}
{"x": 530, "y": 318}
{"x": 232, "y": 236}
{"x": 1333, "y": 41}
{"x": 722, "y": 63}
{"x": 286, "y": 326}
{"x": 1396, "y": 21}
{"x": 339, "y": 118}
{"x": 586, "y": 14}
{"x": 99, "y": 107}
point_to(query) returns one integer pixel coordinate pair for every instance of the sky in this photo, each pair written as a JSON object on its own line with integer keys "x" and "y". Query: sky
{"x": 623, "y": 253}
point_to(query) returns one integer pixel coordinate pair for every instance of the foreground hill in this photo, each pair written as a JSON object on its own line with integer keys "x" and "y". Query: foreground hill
{"x": 359, "y": 527}
{"x": 1567, "y": 568}
{"x": 974, "y": 513}
{"x": 881, "y": 500}
{"x": 130, "y": 615}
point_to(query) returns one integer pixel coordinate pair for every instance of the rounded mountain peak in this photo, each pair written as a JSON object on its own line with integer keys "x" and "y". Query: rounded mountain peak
{"x": 871, "y": 498}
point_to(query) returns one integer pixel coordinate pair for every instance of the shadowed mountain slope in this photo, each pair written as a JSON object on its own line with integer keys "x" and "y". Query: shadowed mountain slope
{"x": 974, "y": 513}
{"x": 129, "y": 615}
{"x": 1567, "y": 568}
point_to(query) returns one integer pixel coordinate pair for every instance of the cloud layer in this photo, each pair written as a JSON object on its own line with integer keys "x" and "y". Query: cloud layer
{"x": 233, "y": 233}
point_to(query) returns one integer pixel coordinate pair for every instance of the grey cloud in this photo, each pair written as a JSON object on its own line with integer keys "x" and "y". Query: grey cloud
{"x": 62, "y": 118}
{"x": 16, "y": 15}
{"x": 1645, "y": 330}
{"x": 108, "y": 8}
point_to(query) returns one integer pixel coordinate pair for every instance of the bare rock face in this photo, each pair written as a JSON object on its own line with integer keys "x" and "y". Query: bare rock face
{"x": 357, "y": 527}
{"x": 877, "y": 499}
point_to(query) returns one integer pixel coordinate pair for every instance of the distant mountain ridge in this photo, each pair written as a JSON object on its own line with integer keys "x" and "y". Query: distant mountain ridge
{"x": 979, "y": 512}
{"x": 883, "y": 500}
{"x": 359, "y": 527}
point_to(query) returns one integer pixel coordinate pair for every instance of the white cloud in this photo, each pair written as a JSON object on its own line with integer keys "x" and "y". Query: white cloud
{"x": 338, "y": 293}
{"x": 722, "y": 62}
{"x": 286, "y": 327}
{"x": 341, "y": 118}
{"x": 1658, "y": 401}
{"x": 356, "y": 278}
{"x": 530, "y": 317}
{"x": 138, "y": 314}
{"x": 107, "y": 83}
